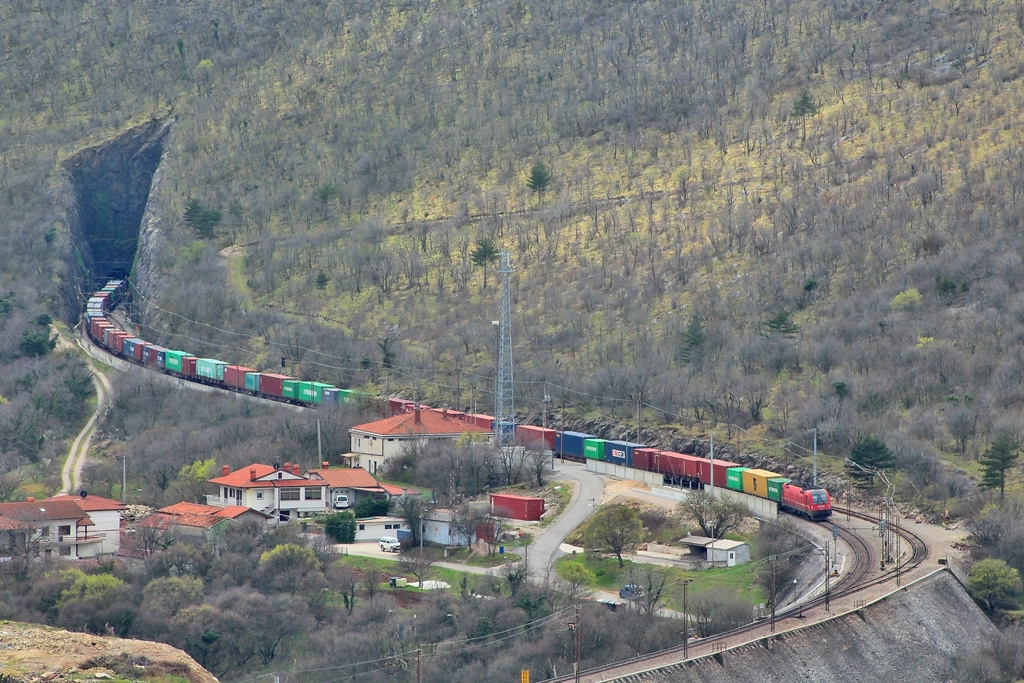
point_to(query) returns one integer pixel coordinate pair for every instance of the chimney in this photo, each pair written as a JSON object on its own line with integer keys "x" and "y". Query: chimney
{"x": 296, "y": 470}
{"x": 444, "y": 413}
{"x": 30, "y": 499}
{"x": 252, "y": 474}
{"x": 287, "y": 467}
{"x": 225, "y": 471}
{"x": 326, "y": 465}
{"x": 416, "y": 413}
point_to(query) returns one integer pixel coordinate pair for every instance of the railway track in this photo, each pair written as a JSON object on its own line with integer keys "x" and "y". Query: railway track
{"x": 858, "y": 578}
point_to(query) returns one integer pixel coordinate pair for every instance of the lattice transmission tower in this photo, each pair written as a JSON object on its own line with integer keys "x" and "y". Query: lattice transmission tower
{"x": 504, "y": 400}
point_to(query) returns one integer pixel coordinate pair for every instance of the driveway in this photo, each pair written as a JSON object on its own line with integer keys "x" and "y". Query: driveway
{"x": 585, "y": 498}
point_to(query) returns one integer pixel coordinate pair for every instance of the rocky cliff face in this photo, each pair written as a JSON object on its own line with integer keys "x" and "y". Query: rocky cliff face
{"x": 113, "y": 227}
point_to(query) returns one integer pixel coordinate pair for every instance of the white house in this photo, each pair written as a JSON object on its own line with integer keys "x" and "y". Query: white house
{"x": 373, "y": 528}
{"x": 55, "y": 528}
{"x": 105, "y": 514}
{"x": 354, "y": 483}
{"x": 282, "y": 492}
{"x": 375, "y": 443}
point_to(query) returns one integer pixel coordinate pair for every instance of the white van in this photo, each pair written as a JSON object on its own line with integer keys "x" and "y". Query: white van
{"x": 340, "y": 501}
{"x": 390, "y": 544}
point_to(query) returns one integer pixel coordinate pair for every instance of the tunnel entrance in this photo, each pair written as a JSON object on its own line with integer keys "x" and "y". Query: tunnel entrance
{"x": 112, "y": 184}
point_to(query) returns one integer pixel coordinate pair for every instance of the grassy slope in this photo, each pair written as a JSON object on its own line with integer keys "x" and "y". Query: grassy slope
{"x": 682, "y": 186}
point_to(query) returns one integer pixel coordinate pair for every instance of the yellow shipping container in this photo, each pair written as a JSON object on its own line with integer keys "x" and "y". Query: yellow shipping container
{"x": 755, "y": 482}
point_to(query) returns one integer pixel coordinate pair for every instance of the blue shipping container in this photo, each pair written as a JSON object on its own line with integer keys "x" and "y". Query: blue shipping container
{"x": 571, "y": 443}
{"x": 620, "y": 452}
{"x": 332, "y": 396}
{"x": 507, "y": 428}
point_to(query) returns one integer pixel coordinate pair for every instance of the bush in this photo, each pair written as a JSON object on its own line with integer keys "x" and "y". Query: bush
{"x": 907, "y": 300}
{"x": 371, "y": 507}
{"x": 341, "y": 526}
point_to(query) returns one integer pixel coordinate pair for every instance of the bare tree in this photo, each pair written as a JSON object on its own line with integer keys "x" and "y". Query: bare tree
{"x": 420, "y": 563}
{"x": 715, "y": 518}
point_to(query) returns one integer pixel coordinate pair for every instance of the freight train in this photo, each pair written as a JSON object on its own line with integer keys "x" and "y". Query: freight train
{"x": 210, "y": 371}
{"x": 677, "y": 469}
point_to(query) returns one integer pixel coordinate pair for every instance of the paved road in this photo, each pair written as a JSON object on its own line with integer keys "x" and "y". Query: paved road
{"x": 585, "y": 498}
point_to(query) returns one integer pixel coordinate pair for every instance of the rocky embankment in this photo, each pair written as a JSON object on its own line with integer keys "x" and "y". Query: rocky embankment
{"x": 31, "y": 653}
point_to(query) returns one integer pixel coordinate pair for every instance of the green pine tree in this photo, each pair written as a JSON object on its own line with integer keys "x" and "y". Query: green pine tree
{"x": 803, "y": 107}
{"x": 539, "y": 179}
{"x": 869, "y": 454}
{"x": 1000, "y": 456}
{"x": 484, "y": 253}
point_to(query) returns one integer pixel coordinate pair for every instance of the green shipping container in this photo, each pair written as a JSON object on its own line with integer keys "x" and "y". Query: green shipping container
{"x": 290, "y": 389}
{"x": 306, "y": 392}
{"x": 211, "y": 368}
{"x": 734, "y": 478}
{"x": 775, "y": 488}
{"x": 318, "y": 391}
{"x": 173, "y": 360}
{"x": 252, "y": 381}
{"x": 593, "y": 449}
{"x": 346, "y": 395}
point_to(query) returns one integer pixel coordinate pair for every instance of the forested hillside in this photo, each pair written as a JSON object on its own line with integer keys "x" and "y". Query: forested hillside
{"x": 780, "y": 215}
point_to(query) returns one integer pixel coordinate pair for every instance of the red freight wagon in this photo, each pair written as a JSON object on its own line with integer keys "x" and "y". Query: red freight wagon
{"x": 692, "y": 464}
{"x": 399, "y": 406}
{"x": 672, "y": 464}
{"x": 108, "y": 336}
{"x": 271, "y": 384}
{"x": 481, "y": 420}
{"x": 536, "y": 436}
{"x": 188, "y": 366}
{"x": 517, "y": 507}
{"x": 117, "y": 341}
{"x": 234, "y": 375}
{"x": 643, "y": 459}
{"x": 720, "y": 466}
{"x": 140, "y": 349}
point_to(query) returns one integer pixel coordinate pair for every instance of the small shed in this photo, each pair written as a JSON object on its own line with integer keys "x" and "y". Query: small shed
{"x": 517, "y": 507}
{"x": 373, "y": 528}
{"x": 719, "y": 552}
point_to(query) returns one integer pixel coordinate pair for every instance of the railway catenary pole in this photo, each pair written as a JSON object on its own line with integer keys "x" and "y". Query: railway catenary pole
{"x": 771, "y": 588}
{"x": 828, "y": 572}
{"x": 711, "y": 478}
{"x": 815, "y": 430}
{"x": 686, "y": 623}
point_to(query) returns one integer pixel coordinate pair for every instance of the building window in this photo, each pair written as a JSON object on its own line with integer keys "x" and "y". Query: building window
{"x": 44, "y": 532}
{"x": 64, "y": 530}
{"x": 65, "y": 551}
{"x": 362, "y": 527}
{"x": 290, "y": 494}
{"x": 259, "y": 495}
{"x": 314, "y": 494}
{"x": 392, "y": 526}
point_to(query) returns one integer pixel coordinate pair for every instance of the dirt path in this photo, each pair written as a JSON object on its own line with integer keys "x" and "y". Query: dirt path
{"x": 71, "y": 474}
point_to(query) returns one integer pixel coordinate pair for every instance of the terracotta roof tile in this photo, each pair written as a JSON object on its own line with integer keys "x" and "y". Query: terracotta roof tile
{"x": 40, "y": 510}
{"x": 399, "y": 490}
{"x": 185, "y": 508}
{"x": 162, "y": 520}
{"x": 431, "y": 423}
{"x": 235, "y": 511}
{"x": 348, "y": 477}
{"x": 92, "y": 503}
{"x": 241, "y": 479}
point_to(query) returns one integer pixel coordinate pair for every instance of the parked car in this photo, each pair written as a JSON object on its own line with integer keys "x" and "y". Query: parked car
{"x": 341, "y": 501}
{"x": 630, "y": 591}
{"x": 390, "y": 544}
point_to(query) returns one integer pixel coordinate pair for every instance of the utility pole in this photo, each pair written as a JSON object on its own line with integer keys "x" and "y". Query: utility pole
{"x": 124, "y": 477}
{"x": 896, "y": 524}
{"x": 319, "y": 444}
{"x": 712, "y": 480}
{"x": 547, "y": 400}
{"x": 828, "y": 572}
{"x": 686, "y": 624}
{"x": 419, "y": 664}
{"x": 771, "y": 588}
{"x": 576, "y": 644}
{"x": 815, "y": 430}
{"x": 638, "y": 401}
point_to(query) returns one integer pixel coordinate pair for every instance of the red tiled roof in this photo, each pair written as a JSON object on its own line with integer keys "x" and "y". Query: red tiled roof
{"x": 430, "y": 423}
{"x": 162, "y": 520}
{"x": 399, "y": 490}
{"x": 348, "y": 477}
{"x": 42, "y": 510}
{"x": 240, "y": 479}
{"x": 235, "y": 511}
{"x": 185, "y": 508}
{"x": 92, "y": 503}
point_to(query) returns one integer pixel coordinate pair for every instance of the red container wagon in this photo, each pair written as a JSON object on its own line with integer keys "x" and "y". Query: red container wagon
{"x": 644, "y": 459}
{"x": 400, "y": 406}
{"x": 188, "y": 366}
{"x": 672, "y": 465}
{"x": 272, "y": 384}
{"x": 481, "y": 420}
{"x": 234, "y": 375}
{"x": 139, "y": 348}
{"x": 538, "y": 437}
{"x": 692, "y": 464}
{"x": 117, "y": 341}
{"x": 517, "y": 507}
{"x": 716, "y": 471}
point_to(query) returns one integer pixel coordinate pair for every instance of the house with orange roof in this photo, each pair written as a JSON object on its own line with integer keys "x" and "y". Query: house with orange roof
{"x": 160, "y": 529}
{"x": 282, "y": 492}
{"x": 105, "y": 514}
{"x": 373, "y": 444}
{"x": 47, "y": 528}
{"x": 236, "y": 513}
